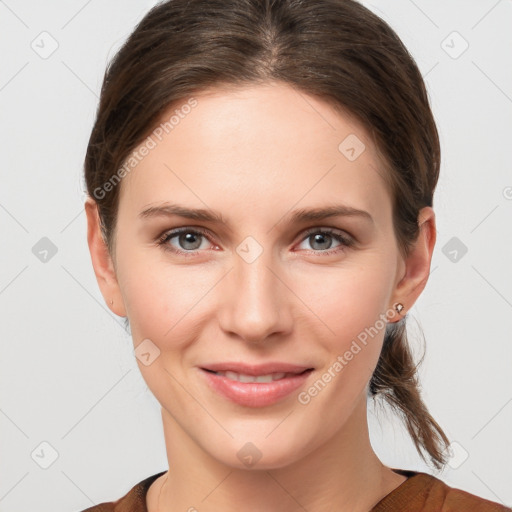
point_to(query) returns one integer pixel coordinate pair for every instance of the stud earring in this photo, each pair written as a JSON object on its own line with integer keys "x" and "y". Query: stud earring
{"x": 399, "y": 306}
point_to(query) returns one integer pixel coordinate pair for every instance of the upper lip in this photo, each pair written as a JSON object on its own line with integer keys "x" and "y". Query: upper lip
{"x": 256, "y": 369}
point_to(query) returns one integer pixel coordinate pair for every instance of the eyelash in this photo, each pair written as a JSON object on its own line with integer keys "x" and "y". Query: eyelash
{"x": 345, "y": 240}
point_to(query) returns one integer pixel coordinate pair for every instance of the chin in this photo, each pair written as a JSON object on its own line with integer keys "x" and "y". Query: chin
{"x": 259, "y": 455}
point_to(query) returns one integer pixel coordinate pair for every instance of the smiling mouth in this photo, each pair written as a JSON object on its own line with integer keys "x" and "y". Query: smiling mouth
{"x": 257, "y": 390}
{"x": 270, "y": 377}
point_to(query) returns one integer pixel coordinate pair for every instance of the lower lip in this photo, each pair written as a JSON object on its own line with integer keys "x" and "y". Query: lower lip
{"x": 255, "y": 394}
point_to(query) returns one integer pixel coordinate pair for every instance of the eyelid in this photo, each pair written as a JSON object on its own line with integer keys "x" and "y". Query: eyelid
{"x": 329, "y": 230}
{"x": 171, "y": 233}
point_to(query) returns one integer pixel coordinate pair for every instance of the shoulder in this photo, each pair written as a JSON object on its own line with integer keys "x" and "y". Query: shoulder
{"x": 422, "y": 492}
{"x": 457, "y": 499}
{"x": 133, "y": 501}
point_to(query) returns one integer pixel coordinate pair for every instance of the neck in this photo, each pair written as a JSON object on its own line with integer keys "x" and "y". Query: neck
{"x": 342, "y": 474}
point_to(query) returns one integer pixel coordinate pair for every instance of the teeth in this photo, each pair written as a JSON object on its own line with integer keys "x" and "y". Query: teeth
{"x": 251, "y": 378}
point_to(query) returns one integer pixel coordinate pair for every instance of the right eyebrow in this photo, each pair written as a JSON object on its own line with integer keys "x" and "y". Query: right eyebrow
{"x": 168, "y": 210}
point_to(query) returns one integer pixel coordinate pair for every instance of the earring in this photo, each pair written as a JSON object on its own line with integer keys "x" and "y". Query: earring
{"x": 399, "y": 306}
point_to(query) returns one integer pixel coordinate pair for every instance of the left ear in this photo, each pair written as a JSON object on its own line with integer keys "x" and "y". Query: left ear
{"x": 417, "y": 264}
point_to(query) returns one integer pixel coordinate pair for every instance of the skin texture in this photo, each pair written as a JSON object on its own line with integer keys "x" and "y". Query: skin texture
{"x": 256, "y": 154}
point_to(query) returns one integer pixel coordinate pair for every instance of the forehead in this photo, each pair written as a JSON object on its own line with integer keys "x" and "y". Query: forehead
{"x": 254, "y": 146}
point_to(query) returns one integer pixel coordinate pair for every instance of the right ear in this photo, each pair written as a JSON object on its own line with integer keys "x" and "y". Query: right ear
{"x": 102, "y": 260}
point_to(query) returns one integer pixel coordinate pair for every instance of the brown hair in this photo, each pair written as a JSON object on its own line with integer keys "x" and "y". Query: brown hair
{"x": 336, "y": 50}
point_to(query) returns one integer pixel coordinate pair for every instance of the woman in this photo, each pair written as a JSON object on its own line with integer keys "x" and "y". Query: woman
{"x": 261, "y": 178}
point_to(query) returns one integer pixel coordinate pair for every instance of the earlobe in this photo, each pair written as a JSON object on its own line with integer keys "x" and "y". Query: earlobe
{"x": 102, "y": 260}
{"x": 417, "y": 264}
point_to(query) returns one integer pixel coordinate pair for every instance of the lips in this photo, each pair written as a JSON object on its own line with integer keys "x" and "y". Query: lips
{"x": 255, "y": 385}
{"x": 256, "y": 370}
{"x": 254, "y": 394}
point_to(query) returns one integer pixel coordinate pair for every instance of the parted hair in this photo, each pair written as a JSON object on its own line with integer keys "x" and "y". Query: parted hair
{"x": 336, "y": 50}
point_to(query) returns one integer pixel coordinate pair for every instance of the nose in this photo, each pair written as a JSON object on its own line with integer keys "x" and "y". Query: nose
{"x": 255, "y": 301}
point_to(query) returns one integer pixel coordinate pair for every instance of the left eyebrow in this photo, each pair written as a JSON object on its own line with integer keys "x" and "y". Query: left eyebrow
{"x": 311, "y": 214}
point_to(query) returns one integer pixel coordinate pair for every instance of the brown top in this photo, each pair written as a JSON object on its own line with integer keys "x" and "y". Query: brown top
{"x": 421, "y": 492}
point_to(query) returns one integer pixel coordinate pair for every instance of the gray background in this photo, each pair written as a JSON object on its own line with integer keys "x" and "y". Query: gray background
{"x": 78, "y": 423}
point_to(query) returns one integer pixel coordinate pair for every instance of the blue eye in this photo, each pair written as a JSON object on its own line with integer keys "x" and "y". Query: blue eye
{"x": 190, "y": 240}
{"x": 323, "y": 238}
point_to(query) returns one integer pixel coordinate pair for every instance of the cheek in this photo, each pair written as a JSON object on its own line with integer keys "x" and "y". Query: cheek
{"x": 162, "y": 304}
{"x": 162, "y": 301}
{"x": 352, "y": 303}
{"x": 346, "y": 299}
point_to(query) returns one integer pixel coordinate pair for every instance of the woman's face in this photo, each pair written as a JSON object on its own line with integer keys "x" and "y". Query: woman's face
{"x": 257, "y": 283}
